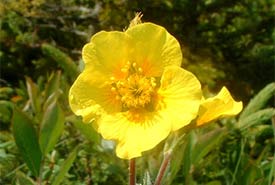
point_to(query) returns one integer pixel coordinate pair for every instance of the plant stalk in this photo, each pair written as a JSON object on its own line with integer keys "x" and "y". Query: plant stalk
{"x": 39, "y": 178}
{"x": 132, "y": 172}
{"x": 163, "y": 168}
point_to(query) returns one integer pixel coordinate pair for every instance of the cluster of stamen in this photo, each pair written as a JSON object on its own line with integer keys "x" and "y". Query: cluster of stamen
{"x": 135, "y": 90}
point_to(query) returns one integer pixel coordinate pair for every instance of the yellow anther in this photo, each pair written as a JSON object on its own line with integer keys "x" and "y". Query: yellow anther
{"x": 120, "y": 84}
{"x": 113, "y": 89}
{"x": 112, "y": 78}
{"x": 140, "y": 70}
{"x": 153, "y": 82}
{"x": 135, "y": 91}
{"x": 134, "y": 64}
{"x": 117, "y": 97}
{"x": 123, "y": 98}
{"x": 124, "y": 70}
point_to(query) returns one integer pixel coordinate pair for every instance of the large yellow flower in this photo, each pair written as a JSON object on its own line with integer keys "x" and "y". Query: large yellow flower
{"x": 133, "y": 88}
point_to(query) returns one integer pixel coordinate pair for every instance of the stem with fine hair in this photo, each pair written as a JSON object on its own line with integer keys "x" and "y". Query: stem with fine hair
{"x": 163, "y": 168}
{"x": 132, "y": 172}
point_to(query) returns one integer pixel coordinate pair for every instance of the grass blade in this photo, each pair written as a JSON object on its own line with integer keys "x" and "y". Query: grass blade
{"x": 65, "y": 167}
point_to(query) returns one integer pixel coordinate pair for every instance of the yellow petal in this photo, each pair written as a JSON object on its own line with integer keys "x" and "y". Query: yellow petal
{"x": 108, "y": 52}
{"x": 134, "y": 137}
{"x": 218, "y": 106}
{"x": 154, "y": 48}
{"x": 181, "y": 95}
{"x": 90, "y": 94}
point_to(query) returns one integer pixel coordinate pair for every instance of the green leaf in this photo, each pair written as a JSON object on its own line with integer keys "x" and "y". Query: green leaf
{"x": 214, "y": 183}
{"x": 26, "y": 140}
{"x": 33, "y": 94}
{"x": 62, "y": 59}
{"x": 272, "y": 169}
{"x": 147, "y": 179}
{"x": 51, "y": 99}
{"x": 187, "y": 157}
{"x": 85, "y": 128}
{"x": 259, "y": 101}
{"x": 22, "y": 179}
{"x": 205, "y": 143}
{"x": 6, "y": 93}
{"x": 65, "y": 167}
{"x": 256, "y": 118}
{"x": 251, "y": 173}
{"x": 53, "y": 84}
{"x": 51, "y": 127}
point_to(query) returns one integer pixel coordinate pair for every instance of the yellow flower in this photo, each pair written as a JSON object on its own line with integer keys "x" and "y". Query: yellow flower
{"x": 133, "y": 88}
{"x": 218, "y": 106}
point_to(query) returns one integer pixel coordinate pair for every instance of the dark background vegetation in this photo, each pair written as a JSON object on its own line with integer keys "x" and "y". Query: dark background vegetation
{"x": 225, "y": 43}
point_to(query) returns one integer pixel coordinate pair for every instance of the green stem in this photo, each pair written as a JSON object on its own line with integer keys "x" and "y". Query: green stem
{"x": 238, "y": 163}
{"x": 163, "y": 168}
{"x": 39, "y": 179}
{"x": 51, "y": 167}
{"x": 132, "y": 172}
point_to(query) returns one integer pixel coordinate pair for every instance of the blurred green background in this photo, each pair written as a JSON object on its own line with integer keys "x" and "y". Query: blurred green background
{"x": 224, "y": 43}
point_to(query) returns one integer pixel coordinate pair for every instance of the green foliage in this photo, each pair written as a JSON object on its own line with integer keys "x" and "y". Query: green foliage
{"x": 22, "y": 179}
{"x": 65, "y": 167}
{"x": 5, "y": 113}
{"x": 27, "y": 25}
{"x": 257, "y": 118}
{"x": 85, "y": 128}
{"x": 147, "y": 179}
{"x": 259, "y": 101}
{"x": 44, "y": 108}
{"x": 62, "y": 59}
{"x": 254, "y": 113}
{"x": 33, "y": 95}
{"x": 53, "y": 84}
{"x": 51, "y": 127}
{"x": 205, "y": 143}
{"x": 26, "y": 139}
{"x": 9, "y": 158}
{"x": 222, "y": 154}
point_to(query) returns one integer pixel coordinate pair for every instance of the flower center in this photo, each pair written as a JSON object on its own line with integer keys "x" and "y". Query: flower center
{"x": 136, "y": 90}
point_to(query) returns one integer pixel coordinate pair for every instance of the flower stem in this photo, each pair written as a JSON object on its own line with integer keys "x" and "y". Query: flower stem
{"x": 163, "y": 168}
{"x": 132, "y": 172}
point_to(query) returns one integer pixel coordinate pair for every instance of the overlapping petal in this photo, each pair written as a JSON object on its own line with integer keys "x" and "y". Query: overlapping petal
{"x": 220, "y": 105}
{"x": 108, "y": 52}
{"x": 132, "y": 137}
{"x": 180, "y": 92}
{"x": 91, "y": 95}
{"x": 154, "y": 48}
